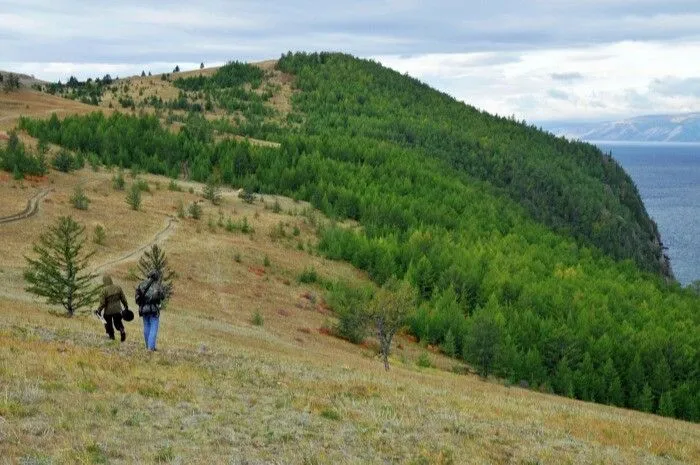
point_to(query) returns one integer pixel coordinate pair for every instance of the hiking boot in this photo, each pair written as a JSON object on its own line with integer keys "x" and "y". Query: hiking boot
{"x": 123, "y": 336}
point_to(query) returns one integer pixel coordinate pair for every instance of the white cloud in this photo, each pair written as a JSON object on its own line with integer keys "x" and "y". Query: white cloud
{"x": 608, "y": 57}
{"x": 62, "y": 71}
{"x": 619, "y": 79}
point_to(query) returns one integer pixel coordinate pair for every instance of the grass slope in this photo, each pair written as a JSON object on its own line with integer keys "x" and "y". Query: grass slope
{"x": 222, "y": 390}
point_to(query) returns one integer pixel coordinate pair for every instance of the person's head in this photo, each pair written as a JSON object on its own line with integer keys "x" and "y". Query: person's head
{"x": 154, "y": 275}
{"x": 107, "y": 280}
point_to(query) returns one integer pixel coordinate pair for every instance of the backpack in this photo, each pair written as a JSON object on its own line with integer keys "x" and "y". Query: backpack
{"x": 141, "y": 294}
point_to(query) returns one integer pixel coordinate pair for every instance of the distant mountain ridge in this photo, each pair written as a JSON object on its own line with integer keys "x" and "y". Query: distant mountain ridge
{"x": 651, "y": 128}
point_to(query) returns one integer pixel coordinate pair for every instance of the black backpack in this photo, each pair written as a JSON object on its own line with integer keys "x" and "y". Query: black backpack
{"x": 140, "y": 296}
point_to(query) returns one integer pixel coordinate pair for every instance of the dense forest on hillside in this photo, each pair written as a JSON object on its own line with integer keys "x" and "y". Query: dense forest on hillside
{"x": 570, "y": 186}
{"x": 428, "y": 189}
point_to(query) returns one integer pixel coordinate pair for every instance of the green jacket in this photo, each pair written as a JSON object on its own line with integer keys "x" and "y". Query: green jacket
{"x": 112, "y": 298}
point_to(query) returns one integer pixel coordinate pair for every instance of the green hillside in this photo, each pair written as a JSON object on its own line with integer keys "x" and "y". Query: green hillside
{"x": 533, "y": 256}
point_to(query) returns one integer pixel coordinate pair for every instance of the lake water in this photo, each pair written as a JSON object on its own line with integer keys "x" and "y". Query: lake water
{"x": 668, "y": 178}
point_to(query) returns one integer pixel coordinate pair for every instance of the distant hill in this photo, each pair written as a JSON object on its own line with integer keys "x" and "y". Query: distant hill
{"x": 25, "y": 80}
{"x": 650, "y": 128}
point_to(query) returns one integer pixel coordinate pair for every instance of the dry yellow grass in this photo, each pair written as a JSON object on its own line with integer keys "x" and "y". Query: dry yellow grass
{"x": 27, "y": 102}
{"x": 222, "y": 390}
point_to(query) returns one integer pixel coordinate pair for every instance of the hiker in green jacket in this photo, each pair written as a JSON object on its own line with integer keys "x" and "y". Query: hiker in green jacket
{"x": 111, "y": 301}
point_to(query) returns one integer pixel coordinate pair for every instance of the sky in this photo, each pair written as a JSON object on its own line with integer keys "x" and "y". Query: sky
{"x": 537, "y": 60}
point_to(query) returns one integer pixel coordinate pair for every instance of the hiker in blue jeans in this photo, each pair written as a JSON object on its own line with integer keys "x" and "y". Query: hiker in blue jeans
{"x": 149, "y": 296}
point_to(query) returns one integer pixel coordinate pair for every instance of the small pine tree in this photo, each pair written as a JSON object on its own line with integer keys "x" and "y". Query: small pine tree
{"x": 180, "y": 209}
{"x": 177, "y": 69}
{"x": 195, "y": 210}
{"x": 64, "y": 161}
{"x": 79, "y": 200}
{"x": 118, "y": 182}
{"x": 201, "y": 65}
{"x": 133, "y": 197}
{"x": 483, "y": 341}
{"x": 666, "y": 407}
{"x": 646, "y": 399}
{"x": 17, "y": 173}
{"x": 449, "y": 345}
{"x": 212, "y": 191}
{"x": 155, "y": 259}
{"x": 59, "y": 273}
{"x": 143, "y": 73}
{"x": 99, "y": 235}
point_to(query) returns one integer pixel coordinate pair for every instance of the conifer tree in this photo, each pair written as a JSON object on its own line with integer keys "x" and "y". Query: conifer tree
{"x": 133, "y": 197}
{"x": 646, "y": 399}
{"x": 155, "y": 259}
{"x": 484, "y": 341}
{"x": 449, "y": 345}
{"x": 59, "y": 272}
{"x": 666, "y": 407}
{"x": 212, "y": 190}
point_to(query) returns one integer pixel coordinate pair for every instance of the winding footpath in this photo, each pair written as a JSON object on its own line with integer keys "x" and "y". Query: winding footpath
{"x": 30, "y": 210}
{"x": 159, "y": 238}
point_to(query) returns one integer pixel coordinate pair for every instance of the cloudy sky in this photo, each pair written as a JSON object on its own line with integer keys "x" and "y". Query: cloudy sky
{"x": 535, "y": 59}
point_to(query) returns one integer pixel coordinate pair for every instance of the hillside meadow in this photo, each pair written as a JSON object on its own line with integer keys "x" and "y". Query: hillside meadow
{"x": 224, "y": 390}
{"x": 494, "y": 223}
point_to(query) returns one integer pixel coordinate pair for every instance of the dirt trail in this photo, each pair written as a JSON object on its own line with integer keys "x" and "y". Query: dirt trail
{"x": 159, "y": 238}
{"x": 30, "y": 210}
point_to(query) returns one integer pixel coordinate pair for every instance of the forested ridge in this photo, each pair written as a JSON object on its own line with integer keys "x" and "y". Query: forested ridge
{"x": 533, "y": 256}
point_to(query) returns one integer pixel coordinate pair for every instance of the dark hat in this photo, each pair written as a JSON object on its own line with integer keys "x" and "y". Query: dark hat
{"x": 127, "y": 315}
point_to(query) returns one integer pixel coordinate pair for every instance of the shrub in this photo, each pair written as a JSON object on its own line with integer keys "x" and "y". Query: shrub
{"x": 64, "y": 161}
{"x": 195, "y": 210}
{"x": 266, "y": 261}
{"x": 257, "y": 319}
{"x": 350, "y": 304}
{"x": 180, "y": 209}
{"x": 276, "y": 207}
{"x": 94, "y": 161}
{"x": 424, "y": 360}
{"x": 308, "y": 276}
{"x": 245, "y": 227}
{"x": 118, "y": 182}
{"x": 246, "y": 196}
{"x": 173, "y": 186}
{"x": 99, "y": 235}
{"x": 79, "y": 200}
{"x": 133, "y": 197}
{"x": 330, "y": 414}
{"x": 165, "y": 454}
{"x": 212, "y": 191}
{"x": 142, "y": 185}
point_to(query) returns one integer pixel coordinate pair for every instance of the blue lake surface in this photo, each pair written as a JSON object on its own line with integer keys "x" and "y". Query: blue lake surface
{"x": 668, "y": 178}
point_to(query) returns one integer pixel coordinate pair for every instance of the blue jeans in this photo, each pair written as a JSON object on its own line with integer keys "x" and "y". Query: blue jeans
{"x": 150, "y": 330}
